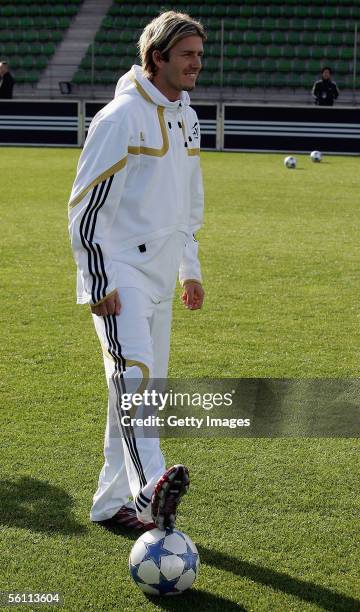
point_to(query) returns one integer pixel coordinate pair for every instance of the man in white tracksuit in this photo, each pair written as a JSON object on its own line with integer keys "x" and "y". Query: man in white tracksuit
{"x": 135, "y": 206}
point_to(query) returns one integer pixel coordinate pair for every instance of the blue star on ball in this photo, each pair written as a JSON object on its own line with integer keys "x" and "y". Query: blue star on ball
{"x": 155, "y": 552}
{"x": 189, "y": 558}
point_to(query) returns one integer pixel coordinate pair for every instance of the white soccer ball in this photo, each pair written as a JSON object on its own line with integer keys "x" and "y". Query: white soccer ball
{"x": 316, "y": 156}
{"x": 164, "y": 562}
{"x": 290, "y": 162}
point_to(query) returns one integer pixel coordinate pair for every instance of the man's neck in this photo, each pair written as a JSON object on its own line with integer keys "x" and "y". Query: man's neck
{"x": 169, "y": 92}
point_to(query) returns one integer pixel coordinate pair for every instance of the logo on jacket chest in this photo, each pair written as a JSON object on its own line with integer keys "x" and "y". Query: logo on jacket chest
{"x": 195, "y": 130}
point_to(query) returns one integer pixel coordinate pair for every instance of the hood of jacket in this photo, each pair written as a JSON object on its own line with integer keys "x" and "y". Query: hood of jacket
{"x": 134, "y": 80}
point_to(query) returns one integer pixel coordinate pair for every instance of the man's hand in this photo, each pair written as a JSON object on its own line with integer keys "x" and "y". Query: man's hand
{"x": 110, "y": 306}
{"x": 193, "y": 295}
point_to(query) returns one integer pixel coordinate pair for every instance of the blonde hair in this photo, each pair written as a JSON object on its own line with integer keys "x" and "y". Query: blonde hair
{"x": 162, "y": 33}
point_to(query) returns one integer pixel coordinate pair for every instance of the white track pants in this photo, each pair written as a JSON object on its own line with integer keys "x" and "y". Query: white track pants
{"x": 136, "y": 346}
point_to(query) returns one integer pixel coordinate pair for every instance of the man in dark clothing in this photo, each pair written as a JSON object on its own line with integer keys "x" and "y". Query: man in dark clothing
{"x": 325, "y": 91}
{"x": 6, "y": 81}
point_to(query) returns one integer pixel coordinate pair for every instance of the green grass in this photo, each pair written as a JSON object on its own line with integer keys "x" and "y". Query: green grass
{"x": 276, "y": 521}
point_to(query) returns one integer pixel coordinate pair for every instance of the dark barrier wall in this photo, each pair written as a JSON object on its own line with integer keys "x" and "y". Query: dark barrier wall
{"x": 271, "y": 128}
{"x": 39, "y": 123}
{"x": 207, "y": 114}
{"x": 236, "y": 128}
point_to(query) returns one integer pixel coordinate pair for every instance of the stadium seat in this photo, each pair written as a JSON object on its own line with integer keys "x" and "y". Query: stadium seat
{"x": 273, "y": 44}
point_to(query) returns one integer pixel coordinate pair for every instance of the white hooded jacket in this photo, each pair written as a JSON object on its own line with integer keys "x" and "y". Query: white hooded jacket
{"x": 138, "y": 180}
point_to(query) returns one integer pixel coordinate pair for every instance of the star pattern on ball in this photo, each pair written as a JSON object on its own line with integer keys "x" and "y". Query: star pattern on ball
{"x": 189, "y": 558}
{"x": 134, "y": 572}
{"x": 165, "y": 586}
{"x": 155, "y": 552}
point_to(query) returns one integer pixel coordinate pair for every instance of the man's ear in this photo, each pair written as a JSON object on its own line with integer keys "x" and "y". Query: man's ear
{"x": 157, "y": 58}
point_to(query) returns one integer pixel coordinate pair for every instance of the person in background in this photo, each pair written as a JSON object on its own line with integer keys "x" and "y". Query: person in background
{"x": 325, "y": 90}
{"x": 6, "y": 81}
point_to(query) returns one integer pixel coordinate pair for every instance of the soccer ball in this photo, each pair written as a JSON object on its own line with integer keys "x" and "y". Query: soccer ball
{"x": 316, "y": 156}
{"x": 164, "y": 562}
{"x": 290, "y": 162}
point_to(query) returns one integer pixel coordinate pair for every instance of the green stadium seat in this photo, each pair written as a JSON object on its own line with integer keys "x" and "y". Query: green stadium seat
{"x": 205, "y": 11}
{"x": 40, "y": 62}
{"x": 244, "y": 51}
{"x": 31, "y": 35}
{"x": 240, "y": 23}
{"x": 228, "y": 64}
{"x": 311, "y": 24}
{"x": 125, "y": 36}
{"x": 10, "y": 49}
{"x": 346, "y": 53}
{"x": 31, "y": 77}
{"x": 250, "y": 80}
{"x": 114, "y": 63}
{"x": 244, "y": 11}
{"x": 80, "y": 78}
{"x": 293, "y": 37}
{"x": 48, "y": 49}
{"x": 307, "y": 38}
{"x": 325, "y": 25}
{"x": 276, "y": 44}
{"x": 331, "y": 52}
{"x": 17, "y": 36}
{"x": 313, "y": 66}
{"x": 100, "y": 62}
{"x": 321, "y": 38}
{"x": 315, "y": 11}
{"x": 298, "y": 66}
{"x": 269, "y": 24}
{"x": 282, "y": 23}
{"x": 100, "y": 36}
{"x": 206, "y": 79}
{"x": 259, "y": 51}
{"x": 6, "y": 36}
{"x": 316, "y": 52}
{"x": 233, "y": 79}
{"x": 86, "y": 62}
{"x": 249, "y": 37}
{"x": 239, "y": 64}
{"x": 212, "y": 63}
{"x": 344, "y": 12}
{"x": 330, "y": 12}
{"x": 288, "y": 51}
{"x": 213, "y": 50}
{"x": 233, "y": 51}
{"x": 301, "y": 11}
{"x": 347, "y": 38}
{"x": 269, "y": 65}
{"x": 264, "y": 37}
{"x": 25, "y": 22}
{"x": 279, "y": 37}
{"x": 108, "y": 22}
{"x": 342, "y": 67}
{"x": 343, "y": 26}
{"x": 254, "y": 64}
{"x": 237, "y": 37}
{"x": 284, "y": 65}
{"x": 274, "y": 51}
{"x": 254, "y": 23}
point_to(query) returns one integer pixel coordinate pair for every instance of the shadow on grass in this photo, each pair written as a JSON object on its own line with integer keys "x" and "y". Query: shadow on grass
{"x": 119, "y": 530}
{"x": 304, "y": 590}
{"x": 38, "y": 506}
{"x": 195, "y": 600}
{"x": 326, "y": 599}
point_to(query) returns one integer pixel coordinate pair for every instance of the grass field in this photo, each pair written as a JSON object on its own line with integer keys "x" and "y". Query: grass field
{"x": 276, "y": 521}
